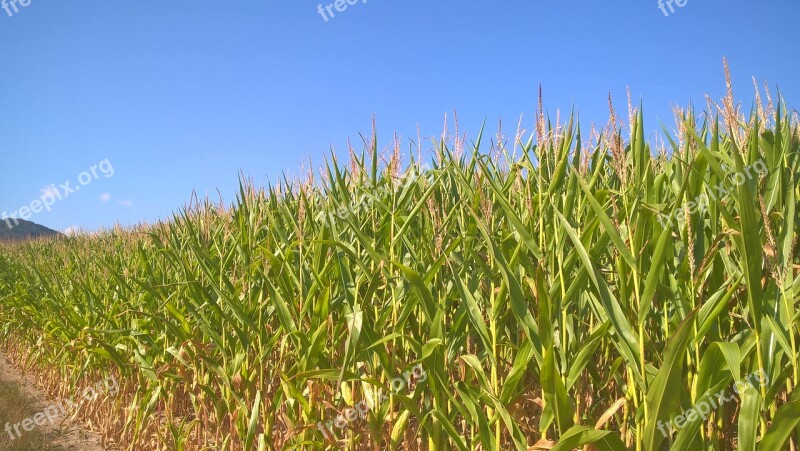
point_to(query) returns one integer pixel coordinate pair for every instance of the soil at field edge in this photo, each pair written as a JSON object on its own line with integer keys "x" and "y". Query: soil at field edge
{"x": 20, "y": 400}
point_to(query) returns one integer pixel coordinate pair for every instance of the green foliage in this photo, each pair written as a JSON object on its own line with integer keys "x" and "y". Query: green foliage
{"x": 545, "y": 296}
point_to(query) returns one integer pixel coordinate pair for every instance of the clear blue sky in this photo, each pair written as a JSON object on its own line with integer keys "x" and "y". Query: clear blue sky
{"x": 181, "y": 95}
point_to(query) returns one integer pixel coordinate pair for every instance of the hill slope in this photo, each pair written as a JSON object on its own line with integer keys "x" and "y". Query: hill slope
{"x": 13, "y": 231}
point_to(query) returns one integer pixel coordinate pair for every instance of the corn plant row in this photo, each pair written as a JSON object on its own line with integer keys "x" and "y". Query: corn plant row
{"x": 556, "y": 293}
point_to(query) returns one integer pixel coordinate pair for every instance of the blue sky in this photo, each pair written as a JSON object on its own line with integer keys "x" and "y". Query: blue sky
{"x": 181, "y": 95}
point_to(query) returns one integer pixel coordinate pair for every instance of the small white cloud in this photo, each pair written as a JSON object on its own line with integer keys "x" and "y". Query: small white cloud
{"x": 105, "y": 197}
{"x": 72, "y": 231}
{"x": 50, "y": 190}
{"x": 126, "y": 203}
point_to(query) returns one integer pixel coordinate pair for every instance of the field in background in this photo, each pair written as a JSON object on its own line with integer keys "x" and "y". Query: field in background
{"x": 559, "y": 291}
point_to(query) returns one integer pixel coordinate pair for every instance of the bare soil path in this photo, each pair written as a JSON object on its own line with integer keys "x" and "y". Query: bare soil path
{"x": 22, "y": 404}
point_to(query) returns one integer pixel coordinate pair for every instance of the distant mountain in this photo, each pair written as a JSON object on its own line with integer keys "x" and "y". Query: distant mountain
{"x": 23, "y": 230}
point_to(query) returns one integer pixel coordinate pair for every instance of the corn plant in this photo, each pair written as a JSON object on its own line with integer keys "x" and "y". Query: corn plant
{"x": 563, "y": 293}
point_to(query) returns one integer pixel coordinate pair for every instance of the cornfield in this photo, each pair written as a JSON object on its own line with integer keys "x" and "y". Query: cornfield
{"x": 552, "y": 293}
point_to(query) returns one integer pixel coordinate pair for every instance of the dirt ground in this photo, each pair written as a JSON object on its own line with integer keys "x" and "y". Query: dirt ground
{"x": 21, "y": 400}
